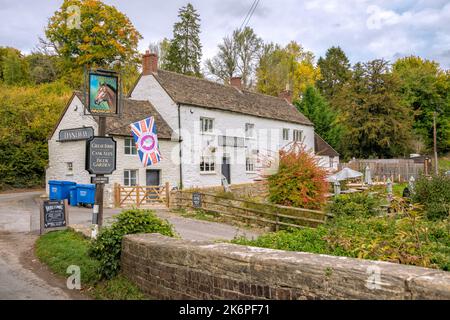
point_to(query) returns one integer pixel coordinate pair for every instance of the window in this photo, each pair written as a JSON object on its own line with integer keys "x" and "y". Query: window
{"x": 331, "y": 162}
{"x": 249, "y": 130}
{"x": 130, "y": 146}
{"x": 130, "y": 178}
{"x": 297, "y": 135}
{"x": 69, "y": 168}
{"x": 207, "y": 164}
{"x": 249, "y": 164}
{"x": 206, "y": 125}
{"x": 285, "y": 134}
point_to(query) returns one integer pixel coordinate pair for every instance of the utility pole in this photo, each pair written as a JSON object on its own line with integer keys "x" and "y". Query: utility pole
{"x": 436, "y": 167}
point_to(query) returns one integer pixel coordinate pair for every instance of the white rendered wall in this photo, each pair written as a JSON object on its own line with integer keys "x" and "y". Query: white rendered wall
{"x": 268, "y": 139}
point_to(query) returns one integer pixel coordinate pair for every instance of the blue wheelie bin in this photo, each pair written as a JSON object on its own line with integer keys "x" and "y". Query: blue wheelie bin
{"x": 59, "y": 190}
{"x": 86, "y": 193}
{"x": 73, "y": 196}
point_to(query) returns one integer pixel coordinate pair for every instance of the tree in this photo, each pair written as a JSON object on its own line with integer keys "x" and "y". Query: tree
{"x": 27, "y": 116}
{"x": 237, "y": 55}
{"x": 14, "y": 68}
{"x": 377, "y": 123}
{"x": 161, "y": 48}
{"x": 43, "y": 68}
{"x": 335, "y": 72}
{"x": 91, "y": 33}
{"x": 185, "y": 49}
{"x": 224, "y": 65}
{"x": 425, "y": 89}
{"x": 291, "y": 67}
{"x": 325, "y": 119}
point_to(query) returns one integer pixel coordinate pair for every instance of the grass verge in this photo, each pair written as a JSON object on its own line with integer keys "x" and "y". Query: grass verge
{"x": 60, "y": 249}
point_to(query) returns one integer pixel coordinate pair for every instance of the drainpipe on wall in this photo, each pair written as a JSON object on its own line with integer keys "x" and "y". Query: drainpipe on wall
{"x": 179, "y": 141}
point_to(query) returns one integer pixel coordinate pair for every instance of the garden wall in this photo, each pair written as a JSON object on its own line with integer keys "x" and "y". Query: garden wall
{"x": 168, "y": 268}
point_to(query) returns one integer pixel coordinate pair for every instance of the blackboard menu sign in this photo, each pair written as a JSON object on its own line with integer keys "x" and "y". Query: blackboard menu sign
{"x": 196, "y": 200}
{"x": 54, "y": 215}
{"x": 101, "y": 155}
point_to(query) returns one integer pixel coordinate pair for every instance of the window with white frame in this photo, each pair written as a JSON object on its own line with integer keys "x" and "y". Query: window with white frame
{"x": 297, "y": 135}
{"x": 130, "y": 146}
{"x": 249, "y": 130}
{"x": 69, "y": 167}
{"x": 206, "y": 125}
{"x": 249, "y": 164}
{"x": 207, "y": 164}
{"x": 130, "y": 178}
{"x": 331, "y": 162}
{"x": 285, "y": 134}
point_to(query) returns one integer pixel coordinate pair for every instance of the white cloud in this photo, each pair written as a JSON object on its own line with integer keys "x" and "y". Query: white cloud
{"x": 364, "y": 29}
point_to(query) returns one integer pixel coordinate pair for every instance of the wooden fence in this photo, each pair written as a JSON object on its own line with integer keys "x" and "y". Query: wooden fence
{"x": 261, "y": 214}
{"x": 398, "y": 170}
{"x": 137, "y": 196}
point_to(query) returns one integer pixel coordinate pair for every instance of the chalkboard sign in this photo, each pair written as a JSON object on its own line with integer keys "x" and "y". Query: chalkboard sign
{"x": 196, "y": 200}
{"x": 101, "y": 155}
{"x": 54, "y": 215}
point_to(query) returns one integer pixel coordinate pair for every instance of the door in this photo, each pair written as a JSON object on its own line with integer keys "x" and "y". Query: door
{"x": 152, "y": 179}
{"x": 226, "y": 170}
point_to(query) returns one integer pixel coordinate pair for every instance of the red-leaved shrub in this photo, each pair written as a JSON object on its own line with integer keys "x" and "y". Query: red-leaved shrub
{"x": 300, "y": 181}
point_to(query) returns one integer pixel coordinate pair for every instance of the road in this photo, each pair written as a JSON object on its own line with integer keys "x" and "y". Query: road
{"x": 22, "y": 277}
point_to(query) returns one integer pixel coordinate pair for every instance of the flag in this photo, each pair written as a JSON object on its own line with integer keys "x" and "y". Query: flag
{"x": 146, "y": 139}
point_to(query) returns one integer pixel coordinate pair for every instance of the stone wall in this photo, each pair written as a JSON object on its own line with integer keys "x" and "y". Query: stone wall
{"x": 167, "y": 268}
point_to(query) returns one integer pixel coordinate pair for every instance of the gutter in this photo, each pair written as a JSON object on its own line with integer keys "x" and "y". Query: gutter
{"x": 180, "y": 140}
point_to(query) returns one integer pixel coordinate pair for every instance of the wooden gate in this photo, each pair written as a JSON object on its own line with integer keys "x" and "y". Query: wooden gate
{"x": 137, "y": 196}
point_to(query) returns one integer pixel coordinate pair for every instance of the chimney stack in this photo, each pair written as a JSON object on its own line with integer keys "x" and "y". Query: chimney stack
{"x": 236, "y": 82}
{"x": 287, "y": 95}
{"x": 149, "y": 63}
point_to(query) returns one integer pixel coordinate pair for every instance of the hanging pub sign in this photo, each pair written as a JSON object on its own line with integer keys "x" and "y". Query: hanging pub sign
{"x": 103, "y": 93}
{"x": 101, "y": 155}
{"x": 54, "y": 215}
{"x": 76, "y": 134}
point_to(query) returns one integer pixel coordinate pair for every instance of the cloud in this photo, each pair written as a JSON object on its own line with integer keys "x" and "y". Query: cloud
{"x": 364, "y": 29}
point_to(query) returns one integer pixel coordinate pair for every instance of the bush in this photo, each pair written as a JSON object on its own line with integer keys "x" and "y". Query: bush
{"x": 299, "y": 182}
{"x": 355, "y": 204}
{"x": 434, "y": 194}
{"x": 406, "y": 240}
{"x": 108, "y": 245}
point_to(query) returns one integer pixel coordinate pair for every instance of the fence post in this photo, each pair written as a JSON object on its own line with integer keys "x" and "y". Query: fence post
{"x": 116, "y": 195}
{"x": 277, "y": 220}
{"x": 167, "y": 195}
{"x": 137, "y": 196}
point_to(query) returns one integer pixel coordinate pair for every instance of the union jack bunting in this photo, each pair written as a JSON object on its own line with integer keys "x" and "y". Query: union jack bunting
{"x": 146, "y": 139}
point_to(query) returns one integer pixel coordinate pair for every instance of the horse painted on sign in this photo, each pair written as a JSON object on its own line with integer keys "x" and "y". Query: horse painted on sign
{"x": 106, "y": 93}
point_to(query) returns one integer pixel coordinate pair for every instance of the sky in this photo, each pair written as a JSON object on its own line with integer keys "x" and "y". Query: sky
{"x": 364, "y": 29}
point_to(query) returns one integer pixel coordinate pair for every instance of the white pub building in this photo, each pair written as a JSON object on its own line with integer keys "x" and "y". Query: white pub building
{"x": 206, "y": 131}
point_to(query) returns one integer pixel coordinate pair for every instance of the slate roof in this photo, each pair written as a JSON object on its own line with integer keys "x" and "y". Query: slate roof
{"x": 132, "y": 111}
{"x": 322, "y": 148}
{"x": 199, "y": 92}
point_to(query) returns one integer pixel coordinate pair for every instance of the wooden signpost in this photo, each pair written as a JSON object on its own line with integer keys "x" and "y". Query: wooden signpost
{"x": 103, "y": 99}
{"x": 54, "y": 215}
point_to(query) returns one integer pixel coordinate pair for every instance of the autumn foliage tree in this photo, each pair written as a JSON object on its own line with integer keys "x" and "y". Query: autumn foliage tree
{"x": 300, "y": 181}
{"x": 291, "y": 66}
{"x": 91, "y": 33}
